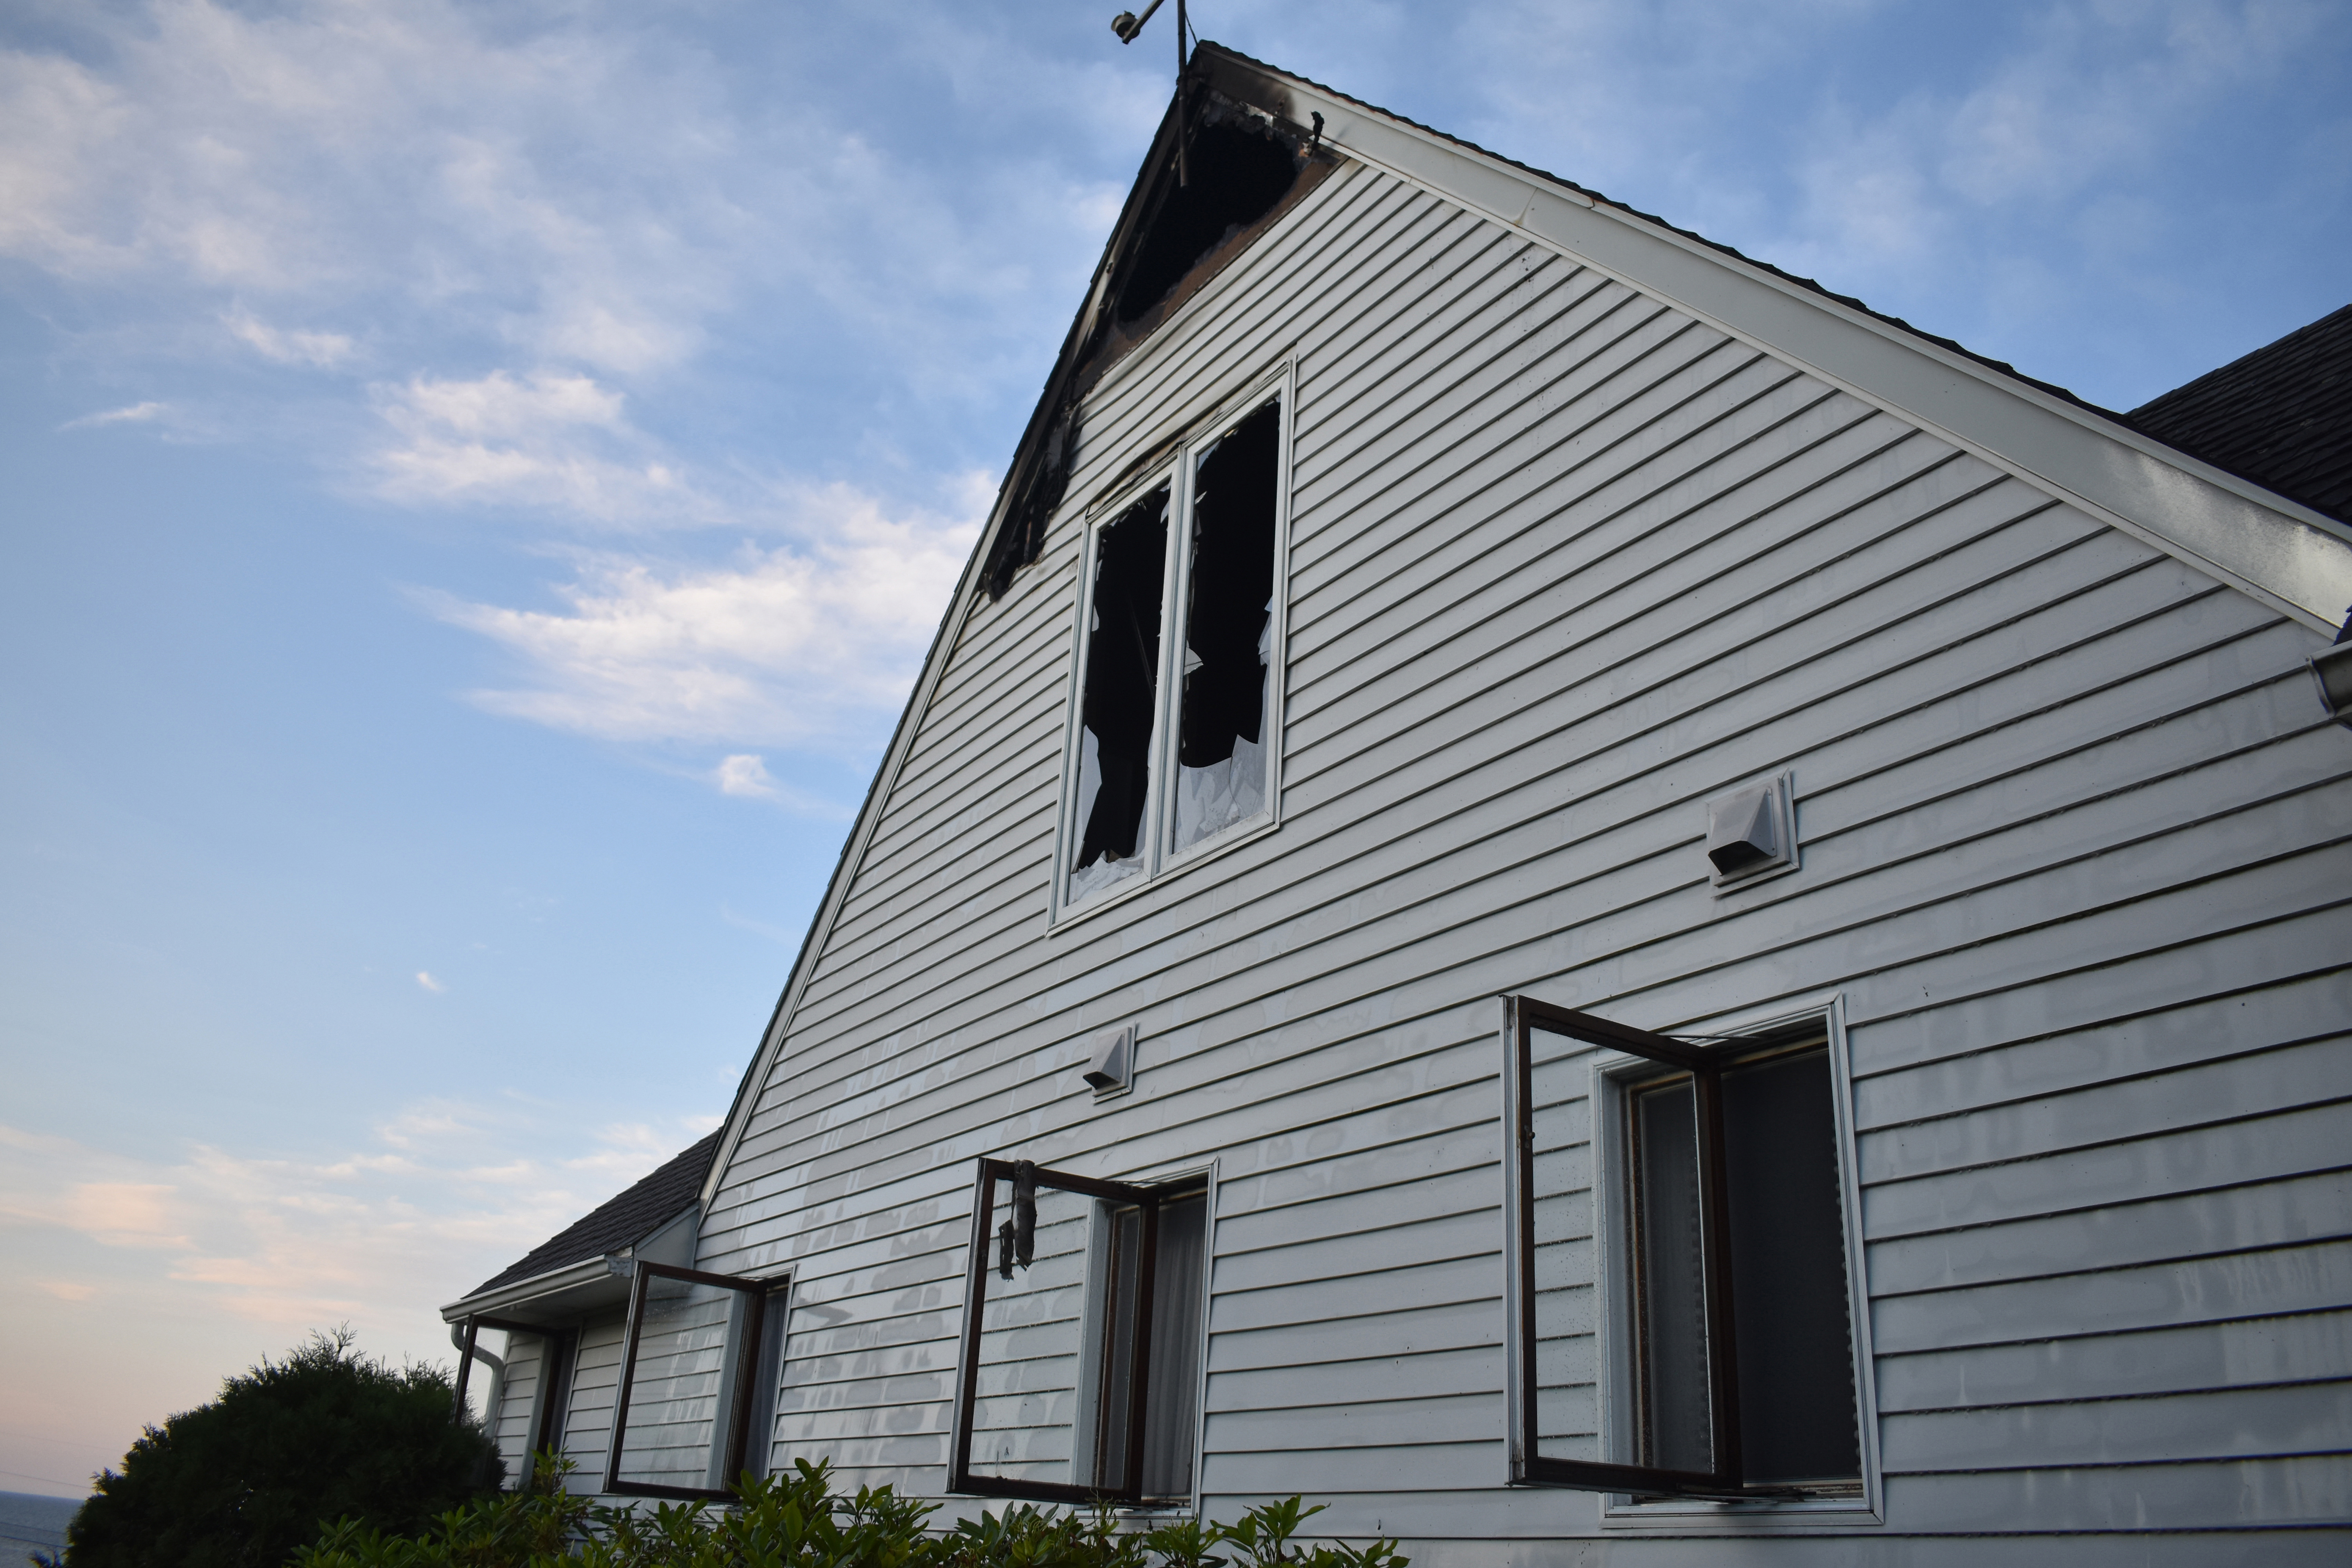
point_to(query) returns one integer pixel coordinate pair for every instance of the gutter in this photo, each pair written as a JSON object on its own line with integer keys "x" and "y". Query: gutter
{"x": 612, "y": 1265}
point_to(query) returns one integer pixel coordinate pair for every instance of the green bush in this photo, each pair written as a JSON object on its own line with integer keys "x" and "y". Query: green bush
{"x": 242, "y": 1482}
{"x": 798, "y": 1522}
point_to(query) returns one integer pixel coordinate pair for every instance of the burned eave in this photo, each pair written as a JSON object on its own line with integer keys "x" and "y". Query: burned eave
{"x": 1244, "y": 167}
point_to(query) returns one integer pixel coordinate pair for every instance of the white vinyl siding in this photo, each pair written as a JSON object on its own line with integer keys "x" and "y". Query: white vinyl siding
{"x": 517, "y": 1412}
{"x": 1564, "y": 564}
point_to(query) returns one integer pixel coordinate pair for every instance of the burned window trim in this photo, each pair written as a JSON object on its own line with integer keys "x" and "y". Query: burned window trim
{"x": 1171, "y": 461}
{"x": 1098, "y": 342}
{"x": 1633, "y": 1494}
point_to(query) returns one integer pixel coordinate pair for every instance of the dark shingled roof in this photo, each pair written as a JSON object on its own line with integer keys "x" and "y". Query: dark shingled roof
{"x": 2281, "y": 416}
{"x": 623, "y": 1221}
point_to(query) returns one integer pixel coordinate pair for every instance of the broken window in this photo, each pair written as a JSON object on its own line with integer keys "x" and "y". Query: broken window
{"x": 1118, "y": 711}
{"x": 1707, "y": 1178}
{"x": 686, "y": 1394}
{"x": 1228, "y": 631}
{"x": 1081, "y": 1338}
{"x": 1214, "y": 703}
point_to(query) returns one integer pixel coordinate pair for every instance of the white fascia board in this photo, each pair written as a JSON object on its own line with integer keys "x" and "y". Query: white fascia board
{"x": 555, "y": 1281}
{"x": 2291, "y": 558}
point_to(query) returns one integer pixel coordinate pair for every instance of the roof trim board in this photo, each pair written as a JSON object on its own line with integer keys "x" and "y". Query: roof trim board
{"x": 2295, "y": 560}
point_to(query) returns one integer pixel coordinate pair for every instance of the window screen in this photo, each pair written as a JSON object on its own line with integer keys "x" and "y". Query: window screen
{"x": 678, "y": 1423}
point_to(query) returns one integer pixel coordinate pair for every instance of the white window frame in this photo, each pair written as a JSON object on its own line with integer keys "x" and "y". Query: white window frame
{"x": 1614, "y": 1073}
{"x": 1177, "y": 470}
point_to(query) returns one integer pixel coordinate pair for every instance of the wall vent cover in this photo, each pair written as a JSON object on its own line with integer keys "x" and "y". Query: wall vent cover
{"x": 1751, "y": 834}
{"x": 1112, "y": 1070}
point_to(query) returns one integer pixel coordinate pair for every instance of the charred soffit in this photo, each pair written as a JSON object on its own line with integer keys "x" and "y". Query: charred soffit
{"x": 1243, "y": 170}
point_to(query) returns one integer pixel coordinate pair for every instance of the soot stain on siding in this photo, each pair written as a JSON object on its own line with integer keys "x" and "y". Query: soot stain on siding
{"x": 1246, "y": 170}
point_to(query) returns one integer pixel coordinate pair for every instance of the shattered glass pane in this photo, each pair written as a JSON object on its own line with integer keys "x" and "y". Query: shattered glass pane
{"x": 1121, "y": 703}
{"x": 1221, "y": 749}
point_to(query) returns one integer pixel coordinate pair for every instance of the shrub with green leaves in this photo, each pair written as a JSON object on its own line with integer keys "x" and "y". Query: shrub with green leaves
{"x": 799, "y": 1521}
{"x": 243, "y": 1481}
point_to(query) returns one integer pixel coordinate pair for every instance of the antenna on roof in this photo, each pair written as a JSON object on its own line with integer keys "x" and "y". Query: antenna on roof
{"x": 1127, "y": 25}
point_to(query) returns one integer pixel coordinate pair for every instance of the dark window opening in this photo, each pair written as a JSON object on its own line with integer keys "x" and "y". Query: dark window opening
{"x": 557, "y": 1358}
{"x": 767, "y": 1376}
{"x": 1738, "y": 1367}
{"x": 1787, "y": 1232}
{"x": 1240, "y": 170}
{"x": 1118, "y": 709}
{"x": 1081, "y": 1338}
{"x": 1228, "y": 630}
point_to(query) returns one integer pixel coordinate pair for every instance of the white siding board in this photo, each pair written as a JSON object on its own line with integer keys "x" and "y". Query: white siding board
{"x": 2247, "y": 1149}
{"x": 2308, "y": 1279}
{"x": 2238, "y": 1353}
{"x": 2110, "y": 1230}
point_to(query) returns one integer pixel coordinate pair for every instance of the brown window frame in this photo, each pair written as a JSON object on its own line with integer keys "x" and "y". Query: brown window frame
{"x": 1705, "y": 1065}
{"x": 986, "y": 1243}
{"x": 739, "y": 1407}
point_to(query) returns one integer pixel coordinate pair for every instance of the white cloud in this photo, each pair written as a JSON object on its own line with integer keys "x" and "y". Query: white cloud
{"x": 137, "y": 413}
{"x": 745, "y": 775}
{"x": 549, "y": 440}
{"x": 289, "y": 346}
{"x": 424, "y": 979}
{"x": 381, "y": 1236}
{"x": 795, "y": 645}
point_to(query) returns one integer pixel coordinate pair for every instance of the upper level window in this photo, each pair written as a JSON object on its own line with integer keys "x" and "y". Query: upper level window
{"x": 1684, "y": 1296}
{"x": 1176, "y": 738}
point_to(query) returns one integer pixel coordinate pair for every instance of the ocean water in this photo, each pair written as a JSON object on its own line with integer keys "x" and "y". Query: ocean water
{"x": 30, "y": 1523}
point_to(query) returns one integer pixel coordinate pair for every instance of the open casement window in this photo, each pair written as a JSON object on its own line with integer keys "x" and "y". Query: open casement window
{"x": 1081, "y": 1339}
{"x": 687, "y": 1383}
{"x": 1694, "y": 1197}
{"x": 1175, "y": 736}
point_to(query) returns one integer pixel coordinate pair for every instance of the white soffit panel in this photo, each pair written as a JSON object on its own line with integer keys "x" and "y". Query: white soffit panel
{"x": 2290, "y": 557}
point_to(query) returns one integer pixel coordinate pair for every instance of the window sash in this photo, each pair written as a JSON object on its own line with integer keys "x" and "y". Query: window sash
{"x": 981, "y": 1262}
{"x": 1523, "y": 1016}
{"x": 735, "y": 1367}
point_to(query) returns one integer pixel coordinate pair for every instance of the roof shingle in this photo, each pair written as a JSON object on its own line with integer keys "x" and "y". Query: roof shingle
{"x": 2281, "y": 416}
{"x": 625, "y": 1221}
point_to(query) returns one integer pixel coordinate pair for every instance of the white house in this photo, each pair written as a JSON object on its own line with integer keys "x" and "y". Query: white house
{"x": 1569, "y": 894}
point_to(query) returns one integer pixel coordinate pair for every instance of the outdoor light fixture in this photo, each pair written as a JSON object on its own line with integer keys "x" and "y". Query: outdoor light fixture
{"x": 1127, "y": 23}
{"x": 1751, "y": 834}
{"x": 1112, "y": 1070}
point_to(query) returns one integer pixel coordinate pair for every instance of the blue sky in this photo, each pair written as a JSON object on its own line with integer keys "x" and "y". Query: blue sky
{"x": 479, "y": 480}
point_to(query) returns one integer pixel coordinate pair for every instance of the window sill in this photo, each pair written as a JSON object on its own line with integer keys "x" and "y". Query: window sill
{"x": 1216, "y": 849}
{"x": 1684, "y": 1516}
